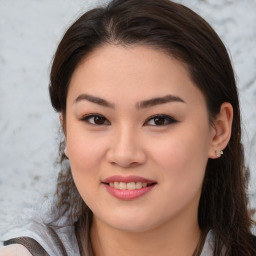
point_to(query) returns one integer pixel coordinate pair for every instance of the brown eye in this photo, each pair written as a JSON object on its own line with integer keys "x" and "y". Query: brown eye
{"x": 160, "y": 120}
{"x": 96, "y": 119}
{"x": 99, "y": 120}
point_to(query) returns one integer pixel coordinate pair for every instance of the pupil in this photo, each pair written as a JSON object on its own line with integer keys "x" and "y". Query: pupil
{"x": 159, "y": 120}
{"x": 99, "y": 120}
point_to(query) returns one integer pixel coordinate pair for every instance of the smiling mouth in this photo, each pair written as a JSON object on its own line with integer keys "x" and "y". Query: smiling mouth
{"x": 129, "y": 185}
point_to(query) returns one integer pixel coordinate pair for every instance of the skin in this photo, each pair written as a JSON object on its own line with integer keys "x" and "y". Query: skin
{"x": 129, "y": 142}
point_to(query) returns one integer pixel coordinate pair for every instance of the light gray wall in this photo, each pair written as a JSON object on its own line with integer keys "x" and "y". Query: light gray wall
{"x": 29, "y": 33}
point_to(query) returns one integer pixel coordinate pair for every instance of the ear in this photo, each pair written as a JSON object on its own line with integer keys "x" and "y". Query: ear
{"x": 61, "y": 118}
{"x": 221, "y": 130}
{"x": 62, "y": 122}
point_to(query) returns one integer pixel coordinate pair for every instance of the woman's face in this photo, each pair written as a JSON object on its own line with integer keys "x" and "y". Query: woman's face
{"x": 138, "y": 138}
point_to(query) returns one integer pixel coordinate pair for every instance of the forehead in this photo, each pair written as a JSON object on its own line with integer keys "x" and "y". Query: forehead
{"x": 132, "y": 72}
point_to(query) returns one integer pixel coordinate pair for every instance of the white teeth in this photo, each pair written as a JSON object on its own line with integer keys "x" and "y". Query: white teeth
{"x": 138, "y": 185}
{"x": 116, "y": 184}
{"x": 122, "y": 185}
{"x": 129, "y": 186}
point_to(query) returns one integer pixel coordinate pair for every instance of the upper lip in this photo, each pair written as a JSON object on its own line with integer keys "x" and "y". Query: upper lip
{"x": 127, "y": 179}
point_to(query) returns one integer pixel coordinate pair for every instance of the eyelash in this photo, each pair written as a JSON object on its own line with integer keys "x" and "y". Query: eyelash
{"x": 94, "y": 116}
{"x": 164, "y": 120}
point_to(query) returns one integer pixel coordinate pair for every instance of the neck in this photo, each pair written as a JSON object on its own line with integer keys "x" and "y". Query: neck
{"x": 168, "y": 239}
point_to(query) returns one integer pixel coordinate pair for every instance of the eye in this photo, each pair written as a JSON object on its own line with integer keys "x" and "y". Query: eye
{"x": 96, "y": 119}
{"x": 160, "y": 120}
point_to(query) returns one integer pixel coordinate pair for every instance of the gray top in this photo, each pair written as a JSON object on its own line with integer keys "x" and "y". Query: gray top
{"x": 35, "y": 227}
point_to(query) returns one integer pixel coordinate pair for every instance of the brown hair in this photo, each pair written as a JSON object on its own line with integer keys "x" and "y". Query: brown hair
{"x": 184, "y": 35}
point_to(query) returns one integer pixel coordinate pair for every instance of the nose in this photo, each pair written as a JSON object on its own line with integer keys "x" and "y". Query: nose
{"x": 126, "y": 149}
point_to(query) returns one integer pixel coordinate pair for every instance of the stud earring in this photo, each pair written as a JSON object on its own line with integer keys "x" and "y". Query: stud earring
{"x": 219, "y": 153}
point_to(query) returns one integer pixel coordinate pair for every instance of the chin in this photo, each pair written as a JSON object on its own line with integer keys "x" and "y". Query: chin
{"x": 132, "y": 228}
{"x": 132, "y": 224}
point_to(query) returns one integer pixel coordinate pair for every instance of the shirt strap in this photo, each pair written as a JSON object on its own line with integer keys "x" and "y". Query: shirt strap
{"x": 32, "y": 245}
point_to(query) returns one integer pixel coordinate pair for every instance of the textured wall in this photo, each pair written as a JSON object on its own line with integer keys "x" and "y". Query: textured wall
{"x": 29, "y": 33}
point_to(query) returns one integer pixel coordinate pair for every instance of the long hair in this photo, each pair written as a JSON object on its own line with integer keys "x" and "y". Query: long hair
{"x": 181, "y": 33}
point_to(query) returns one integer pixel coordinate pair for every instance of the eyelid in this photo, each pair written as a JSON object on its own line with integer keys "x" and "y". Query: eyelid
{"x": 170, "y": 119}
{"x": 86, "y": 118}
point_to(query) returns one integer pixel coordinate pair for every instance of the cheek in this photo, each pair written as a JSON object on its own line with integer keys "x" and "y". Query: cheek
{"x": 182, "y": 155}
{"x": 181, "y": 162}
{"x": 84, "y": 157}
{"x": 85, "y": 152}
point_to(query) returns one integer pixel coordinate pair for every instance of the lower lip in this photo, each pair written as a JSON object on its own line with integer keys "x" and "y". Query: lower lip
{"x": 128, "y": 194}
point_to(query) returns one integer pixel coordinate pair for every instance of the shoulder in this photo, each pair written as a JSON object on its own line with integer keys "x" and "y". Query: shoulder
{"x": 14, "y": 250}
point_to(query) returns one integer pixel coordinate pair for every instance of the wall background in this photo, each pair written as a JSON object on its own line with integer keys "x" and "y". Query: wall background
{"x": 29, "y": 33}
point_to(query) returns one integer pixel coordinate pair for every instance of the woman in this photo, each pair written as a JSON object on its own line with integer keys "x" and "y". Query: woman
{"x": 152, "y": 161}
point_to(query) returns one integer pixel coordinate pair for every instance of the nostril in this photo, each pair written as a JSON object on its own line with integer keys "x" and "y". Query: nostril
{"x": 125, "y": 154}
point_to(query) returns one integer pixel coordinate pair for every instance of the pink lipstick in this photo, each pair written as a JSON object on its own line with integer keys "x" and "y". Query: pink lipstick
{"x": 128, "y": 187}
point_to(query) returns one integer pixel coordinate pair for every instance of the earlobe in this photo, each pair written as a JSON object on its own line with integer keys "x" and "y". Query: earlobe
{"x": 62, "y": 122}
{"x": 61, "y": 118}
{"x": 63, "y": 129}
{"x": 222, "y": 128}
{"x": 66, "y": 152}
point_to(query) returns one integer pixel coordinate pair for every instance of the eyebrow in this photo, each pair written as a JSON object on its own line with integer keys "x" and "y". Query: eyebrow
{"x": 140, "y": 105}
{"x": 94, "y": 99}
{"x": 159, "y": 100}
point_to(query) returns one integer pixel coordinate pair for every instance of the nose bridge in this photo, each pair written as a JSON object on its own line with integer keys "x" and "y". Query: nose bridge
{"x": 126, "y": 139}
{"x": 126, "y": 148}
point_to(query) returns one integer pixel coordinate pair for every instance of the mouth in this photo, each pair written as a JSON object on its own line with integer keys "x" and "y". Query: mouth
{"x": 128, "y": 188}
{"x": 134, "y": 185}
